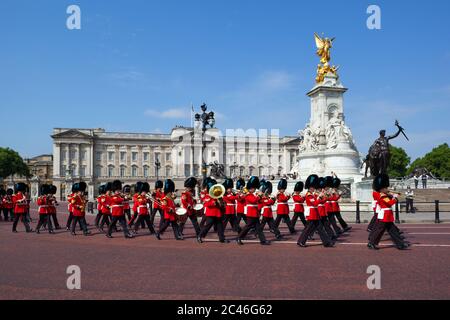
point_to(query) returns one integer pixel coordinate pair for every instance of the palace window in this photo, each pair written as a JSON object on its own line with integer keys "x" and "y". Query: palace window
{"x": 134, "y": 156}
{"x": 168, "y": 156}
{"x": 83, "y": 171}
{"x": 122, "y": 171}
{"x": 111, "y": 156}
{"x": 98, "y": 171}
{"x": 98, "y": 156}
{"x": 83, "y": 155}
{"x": 110, "y": 171}
{"x": 145, "y": 171}
{"x": 168, "y": 172}
{"x": 134, "y": 170}
{"x": 123, "y": 156}
{"x": 146, "y": 156}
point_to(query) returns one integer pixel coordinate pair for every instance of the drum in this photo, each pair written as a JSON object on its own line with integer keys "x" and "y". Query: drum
{"x": 181, "y": 211}
{"x": 198, "y": 207}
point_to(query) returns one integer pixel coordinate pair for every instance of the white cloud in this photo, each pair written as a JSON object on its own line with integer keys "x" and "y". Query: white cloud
{"x": 173, "y": 113}
{"x": 275, "y": 80}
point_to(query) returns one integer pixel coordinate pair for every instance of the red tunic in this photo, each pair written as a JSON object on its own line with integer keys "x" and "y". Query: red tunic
{"x": 334, "y": 202}
{"x": 141, "y": 205}
{"x": 376, "y": 197}
{"x": 385, "y": 213}
{"x": 8, "y": 202}
{"x": 212, "y": 208}
{"x": 42, "y": 202}
{"x": 69, "y": 199}
{"x": 240, "y": 204}
{"x": 266, "y": 204}
{"x": 52, "y": 205}
{"x": 230, "y": 203}
{"x": 116, "y": 203}
{"x": 321, "y": 206}
{"x": 20, "y": 203}
{"x": 158, "y": 195}
{"x": 168, "y": 206}
{"x": 135, "y": 202}
{"x": 105, "y": 204}
{"x": 311, "y": 212}
{"x": 78, "y": 206}
{"x": 298, "y": 203}
{"x": 251, "y": 205}
{"x": 126, "y": 202}
{"x": 282, "y": 204}
{"x": 187, "y": 202}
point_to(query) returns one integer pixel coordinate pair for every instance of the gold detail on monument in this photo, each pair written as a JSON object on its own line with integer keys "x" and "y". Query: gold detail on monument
{"x": 323, "y": 51}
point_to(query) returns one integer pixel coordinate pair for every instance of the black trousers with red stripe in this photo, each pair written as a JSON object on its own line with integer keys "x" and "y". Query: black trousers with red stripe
{"x": 296, "y": 216}
{"x": 311, "y": 227}
{"x": 232, "y": 219}
{"x": 272, "y": 226}
{"x": 253, "y": 223}
{"x": 380, "y": 228}
{"x": 287, "y": 220}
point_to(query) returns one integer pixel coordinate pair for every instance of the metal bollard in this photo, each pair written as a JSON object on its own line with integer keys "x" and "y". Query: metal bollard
{"x": 436, "y": 212}
{"x": 397, "y": 213}
{"x": 358, "y": 212}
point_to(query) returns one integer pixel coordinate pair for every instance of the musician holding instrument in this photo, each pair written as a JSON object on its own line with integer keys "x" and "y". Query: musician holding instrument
{"x": 142, "y": 207}
{"x": 188, "y": 203}
{"x": 336, "y": 195}
{"x": 70, "y": 208}
{"x": 240, "y": 201}
{"x": 283, "y": 206}
{"x": 158, "y": 195}
{"x": 78, "y": 203}
{"x": 230, "y": 206}
{"x": 322, "y": 196}
{"x": 167, "y": 205}
{"x": 100, "y": 200}
{"x": 214, "y": 207}
{"x": 105, "y": 200}
{"x": 43, "y": 203}
{"x": 20, "y": 207}
{"x": 8, "y": 205}
{"x": 312, "y": 215}
{"x": 52, "y": 204}
{"x": 117, "y": 212}
{"x": 299, "y": 209}
{"x": 126, "y": 194}
{"x": 252, "y": 212}
{"x": 385, "y": 215}
{"x": 265, "y": 206}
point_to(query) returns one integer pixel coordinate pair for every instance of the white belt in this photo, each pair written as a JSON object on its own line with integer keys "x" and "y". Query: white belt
{"x": 381, "y": 212}
{"x": 230, "y": 204}
{"x": 308, "y": 210}
{"x": 117, "y": 205}
{"x": 249, "y": 205}
{"x": 282, "y": 203}
{"x": 44, "y": 206}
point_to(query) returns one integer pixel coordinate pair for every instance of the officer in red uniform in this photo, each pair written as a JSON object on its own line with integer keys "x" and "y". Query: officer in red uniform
{"x": 137, "y": 186}
{"x": 230, "y": 206}
{"x": 331, "y": 205}
{"x": 283, "y": 206}
{"x": 43, "y": 202}
{"x": 158, "y": 195}
{"x": 142, "y": 207}
{"x": 167, "y": 205}
{"x": 126, "y": 203}
{"x": 265, "y": 206}
{"x": 336, "y": 208}
{"x": 385, "y": 215}
{"x": 52, "y": 204}
{"x": 117, "y": 212}
{"x": 70, "y": 208}
{"x": 322, "y": 207}
{"x": 203, "y": 194}
{"x": 240, "y": 201}
{"x": 8, "y": 205}
{"x": 78, "y": 202}
{"x": 299, "y": 209}
{"x": 214, "y": 209}
{"x": 187, "y": 202}
{"x": 20, "y": 207}
{"x": 105, "y": 200}
{"x": 100, "y": 201}
{"x": 375, "y": 208}
{"x": 252, "y": 212}
{"x": 312, "y": 215}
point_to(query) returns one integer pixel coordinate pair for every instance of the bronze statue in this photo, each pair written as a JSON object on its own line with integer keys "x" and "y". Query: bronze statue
{"x": 379, "y": 155}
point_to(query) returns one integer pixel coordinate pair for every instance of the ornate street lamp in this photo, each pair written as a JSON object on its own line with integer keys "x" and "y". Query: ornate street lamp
{"x": 205, "y": 119}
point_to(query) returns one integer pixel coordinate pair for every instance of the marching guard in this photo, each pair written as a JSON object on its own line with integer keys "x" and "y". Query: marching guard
{"x": 283, "y": 206}
{"x": 167, "y": 204}
{"x": 43, "y": 202}
{"x": 312, "y": 215}
{"x": 52, "y": 204}
{"x": 8, "y": 205}
{"x": 322, "y": 207}
{"x": 240, "y": 201}
{"x": 252, "y": 212}
{"x": 78, "y": 202}
{"x": 20, "y": 207}
{"x": 117, "y": 212}
{"x": 158, "y": 195}
{"x": 266, "y": 203}
{"x": 126, "y": 201}
{"x": 188, "y": 202}
{"x": 299, "y": 209}
{"x": 335, "y": 204}
{"x": 142, "y": 207}
{"x": 230, "y": 206}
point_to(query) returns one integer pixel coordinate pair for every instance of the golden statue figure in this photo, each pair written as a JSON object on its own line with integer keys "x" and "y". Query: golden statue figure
{"x": 323, "y": 51}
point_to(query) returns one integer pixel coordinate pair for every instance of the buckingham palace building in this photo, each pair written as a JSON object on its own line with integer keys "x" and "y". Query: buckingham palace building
{"x": 97, "y": 156}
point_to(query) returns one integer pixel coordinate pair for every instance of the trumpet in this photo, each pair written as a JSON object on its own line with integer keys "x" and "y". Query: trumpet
{"x": 153, "y": 199}
{"x": 394, "y": 192}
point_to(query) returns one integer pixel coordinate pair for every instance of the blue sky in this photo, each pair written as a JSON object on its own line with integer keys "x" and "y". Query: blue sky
{"x": 252, "y": 61}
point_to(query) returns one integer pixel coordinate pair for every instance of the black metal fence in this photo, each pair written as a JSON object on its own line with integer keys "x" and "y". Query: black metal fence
{"x": 436, "y": 205}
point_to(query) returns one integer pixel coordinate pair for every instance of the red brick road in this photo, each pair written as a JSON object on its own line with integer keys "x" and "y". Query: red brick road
{"x": 34, "y": 267}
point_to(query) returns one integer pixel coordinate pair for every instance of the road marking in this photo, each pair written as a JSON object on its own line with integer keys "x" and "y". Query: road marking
{"x": 337, "y": 244}
{"x": 439, "y": 233}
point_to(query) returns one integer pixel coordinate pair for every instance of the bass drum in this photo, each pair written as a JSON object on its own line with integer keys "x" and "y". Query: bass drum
{"x": 181, "y": 215}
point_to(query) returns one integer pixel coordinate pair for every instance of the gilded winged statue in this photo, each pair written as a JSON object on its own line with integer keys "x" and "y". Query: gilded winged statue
{"x": 323, "y": 51}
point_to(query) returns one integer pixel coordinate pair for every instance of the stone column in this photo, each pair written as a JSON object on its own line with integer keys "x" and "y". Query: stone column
{"x": 57, "y": 159}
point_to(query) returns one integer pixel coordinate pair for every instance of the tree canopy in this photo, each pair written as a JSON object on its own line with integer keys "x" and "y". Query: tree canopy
{"x": 437, "y": 162}
{"x": 12, "y": 163}
{"x": 398, "y": 165}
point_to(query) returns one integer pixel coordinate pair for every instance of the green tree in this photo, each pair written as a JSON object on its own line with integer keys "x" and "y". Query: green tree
{"x": 12, "y": 163}
{"x": 399, "y": 162}
{"x": 437, "y": 162}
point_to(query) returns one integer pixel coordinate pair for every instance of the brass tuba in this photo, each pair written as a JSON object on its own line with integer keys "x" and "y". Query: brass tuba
{"x": 217, "y": 191}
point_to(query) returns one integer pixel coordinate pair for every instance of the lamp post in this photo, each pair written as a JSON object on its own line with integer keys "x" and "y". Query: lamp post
{"x": 157, "y": 166}
{"x": 205, "y": 119}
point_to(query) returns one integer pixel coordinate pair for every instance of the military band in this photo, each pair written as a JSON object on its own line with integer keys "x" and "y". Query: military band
{"x": 217, "y": 204}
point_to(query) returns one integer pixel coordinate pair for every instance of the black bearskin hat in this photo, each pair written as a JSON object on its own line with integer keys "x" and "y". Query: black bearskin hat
{"x": 253, "y": 182}
{"x": 381, "y": 181}
{"x": 299, "y": 186}
{"x": 126, "y": 188}
{"x": 240, "y": 184}
{"x": 190, "y": 182}
{"x": 145, "y": 187}
{"x": 10, "y": 192}
{"x": 207, "y": 181}
{"x": 282, "y": 184}
{"x": 169, "y": 186}
{"x": 76, "y": 187}
{"x": 159, "y": 184}
{"x": 53, "y": 189}
{"x": 2, "y": 192}
{"x": 117, "y": 185}
{"x": 44, "y": 189}
{"x": 108, "y": 186}
{"x": 328, "y": 181}
{"x": 266, "y": 187}
{"x": 83, "y": 186}
{"x": 322, "y": 183}
{"x": 22, "y": 187}
{"x": 228, "y": 184}
{"x": 336, "y": 183}
{"x": 312, "y": 181}
{"x": 139, "y": 186}
{"x": 102, "y": 189}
